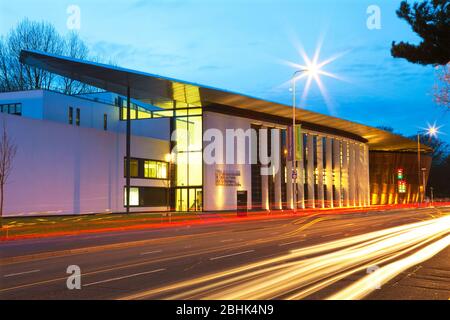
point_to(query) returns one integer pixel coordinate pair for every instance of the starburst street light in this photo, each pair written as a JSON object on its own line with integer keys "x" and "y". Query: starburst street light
{"x": 312, "y": 70}
{"x": 431, "y": 131}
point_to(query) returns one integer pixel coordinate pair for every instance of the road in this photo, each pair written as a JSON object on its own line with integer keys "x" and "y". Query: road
{"x": 395, "y": 254}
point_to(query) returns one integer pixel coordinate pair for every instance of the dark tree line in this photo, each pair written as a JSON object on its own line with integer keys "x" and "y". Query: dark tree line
{"x": 430, "y": 20}
{"x": 39, "y": 36}
{"x": 439, "y": 178}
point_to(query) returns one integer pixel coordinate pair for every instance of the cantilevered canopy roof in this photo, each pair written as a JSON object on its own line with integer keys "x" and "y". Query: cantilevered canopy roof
{"x": 150, "y": 88}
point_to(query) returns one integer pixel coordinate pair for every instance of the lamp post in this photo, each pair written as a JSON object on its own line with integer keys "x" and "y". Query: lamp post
{"x": 295, "y": 77}
{"x": 431, "y": 131}
{"x": 313, "y": 69}
{"x": 418, "y": 168}
{"x": 169, "y": 160}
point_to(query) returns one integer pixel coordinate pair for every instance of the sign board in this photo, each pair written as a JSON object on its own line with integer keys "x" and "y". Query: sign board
{"x": 227, "y": 178}
{"x": 298, "y": 142}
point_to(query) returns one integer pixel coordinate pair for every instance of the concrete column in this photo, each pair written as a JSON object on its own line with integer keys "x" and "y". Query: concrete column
{"x": 289, "y": 199}
{"x": 264, "y": 192}
{"x": 277, "y": 178}
{"x": 358, "y": 175}
{"x": 366, "y": 152}
{"x": 320, "y": 201}
{"x": 364, "y": 174}
{"x": 265, "y": 204}
{"x": 300, "y": 184}
{"x": 329, "y": 172}
{"x": 352, "y": 175}
{"x": 278, "y": 202}
{"x": 310, "y": 169}
{"x": 345, "y": 178}
{"x": 337, "y": 172}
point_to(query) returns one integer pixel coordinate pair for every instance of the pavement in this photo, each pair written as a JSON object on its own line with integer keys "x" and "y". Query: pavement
{"x": 303, "y": 257}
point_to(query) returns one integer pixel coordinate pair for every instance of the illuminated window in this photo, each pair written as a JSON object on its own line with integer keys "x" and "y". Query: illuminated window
{"x": 134, "y": 196}
{"x": 147, "y": 197}
{"x": 134, "y": 168}
{"x": 148, "y": 169}
{"x": 155, "y": 169}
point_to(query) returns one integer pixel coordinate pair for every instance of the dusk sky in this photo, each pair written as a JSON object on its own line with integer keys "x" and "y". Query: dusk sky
{"x": 241, "y": 45}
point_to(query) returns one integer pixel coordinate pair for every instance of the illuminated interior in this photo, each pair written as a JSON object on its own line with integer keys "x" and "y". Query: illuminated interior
{"x": 188, "y": 180}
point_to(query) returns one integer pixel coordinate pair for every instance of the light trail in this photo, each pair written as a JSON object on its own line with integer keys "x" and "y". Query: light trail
{"x": 306, "y": 271}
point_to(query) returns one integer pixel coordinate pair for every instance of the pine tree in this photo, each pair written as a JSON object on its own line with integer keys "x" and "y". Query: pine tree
{"x": 430, "y": 20}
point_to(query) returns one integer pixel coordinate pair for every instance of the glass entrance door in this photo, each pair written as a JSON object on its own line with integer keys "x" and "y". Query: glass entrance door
{"x": 181, "y": 198}
{"x": 195, "y": 199}
{"x": 189, "y": 199}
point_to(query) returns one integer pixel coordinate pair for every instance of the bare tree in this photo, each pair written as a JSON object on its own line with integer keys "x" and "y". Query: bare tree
{"x": 74, "y": 47}
{"x": 38, "y": 36}
{"x": 442, "y": 88}
{"x": 8, "y": 151}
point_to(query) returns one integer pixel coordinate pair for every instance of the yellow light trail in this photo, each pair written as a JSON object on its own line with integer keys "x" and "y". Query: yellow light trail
{"x": 306, "y": 271}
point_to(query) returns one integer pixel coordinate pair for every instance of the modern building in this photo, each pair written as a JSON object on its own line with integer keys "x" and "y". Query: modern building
{"x": 191, "y": 148}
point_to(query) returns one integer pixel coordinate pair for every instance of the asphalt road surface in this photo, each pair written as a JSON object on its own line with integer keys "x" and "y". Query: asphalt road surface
{"x": 395, "y": 254}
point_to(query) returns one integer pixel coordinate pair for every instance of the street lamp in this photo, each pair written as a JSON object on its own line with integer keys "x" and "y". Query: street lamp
{"x": 312, "y": 68}
{"x": 169, "y": 157}
{"x": 297, "y": 75}
{"x": 431, "y": 131}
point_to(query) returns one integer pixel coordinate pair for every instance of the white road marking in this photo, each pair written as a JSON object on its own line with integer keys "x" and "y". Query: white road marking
{"x": 288, "y": 243}
{"x": 230, "y": 255}
{"x": 150, "y": 252}
{"x": 20, "y": 273}
{"x": 124, "y": 277}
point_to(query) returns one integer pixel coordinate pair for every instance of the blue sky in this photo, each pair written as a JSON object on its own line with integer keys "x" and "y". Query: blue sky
{"x": 239, "y": 45}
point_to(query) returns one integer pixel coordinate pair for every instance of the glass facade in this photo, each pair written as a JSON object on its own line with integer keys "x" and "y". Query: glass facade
{"x": 137, "y": 112}
{"x": 187, "y": 133}
{"x": 186, "y": 174}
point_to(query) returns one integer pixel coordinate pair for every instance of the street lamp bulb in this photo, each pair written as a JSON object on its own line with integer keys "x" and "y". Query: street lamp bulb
{"x": 312, "y": 69}
{"x": 432, "y": 131}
